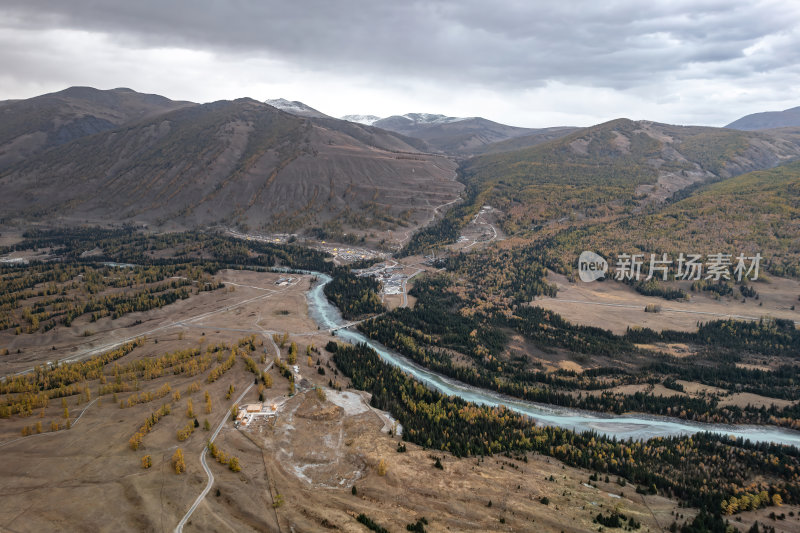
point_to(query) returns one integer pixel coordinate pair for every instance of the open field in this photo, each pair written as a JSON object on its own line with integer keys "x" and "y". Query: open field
{"x": 53, "y": 480}
{"x": 251, "y": 302}
{"x": 67, "y": 479}
{"x": 615, "y": 306}
{"x": 10, "y": 236}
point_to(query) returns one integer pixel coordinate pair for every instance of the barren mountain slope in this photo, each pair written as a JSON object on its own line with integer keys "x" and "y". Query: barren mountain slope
{"x": 239, "y": 162}
{"x": 27, "y": 127}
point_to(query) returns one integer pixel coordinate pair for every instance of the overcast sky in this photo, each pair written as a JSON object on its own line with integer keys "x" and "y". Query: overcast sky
{"x": 518, "y": 62}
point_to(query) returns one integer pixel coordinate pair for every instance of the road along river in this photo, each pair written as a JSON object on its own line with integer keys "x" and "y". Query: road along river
{"x": 633, "y": 426}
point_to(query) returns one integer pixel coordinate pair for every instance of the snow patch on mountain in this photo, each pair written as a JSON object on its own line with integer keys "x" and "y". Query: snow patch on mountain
{"x": 430, "y": 118}
{"x": 409, "y": 119}
{"x": 367, "y": 120}
{"x": 295, "y": 108}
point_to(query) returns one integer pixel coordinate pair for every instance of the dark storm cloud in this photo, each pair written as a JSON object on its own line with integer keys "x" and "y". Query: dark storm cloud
{"x": 506, "y": 43}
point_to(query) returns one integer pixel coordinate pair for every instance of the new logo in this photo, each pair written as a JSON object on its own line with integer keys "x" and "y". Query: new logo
{"x": 591, "y": 266}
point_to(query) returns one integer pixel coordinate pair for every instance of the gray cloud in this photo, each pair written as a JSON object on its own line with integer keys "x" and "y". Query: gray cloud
{"x": 507, "y": 46}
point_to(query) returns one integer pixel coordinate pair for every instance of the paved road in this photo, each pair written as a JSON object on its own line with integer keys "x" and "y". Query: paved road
{"x": 179, "y": 527}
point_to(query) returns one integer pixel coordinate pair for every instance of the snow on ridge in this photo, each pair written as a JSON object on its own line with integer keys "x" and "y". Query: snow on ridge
{"x": 285, "y": 105}
{"x": 413, "y": 118}
{"x": 367, "y": 120}
{"x": 431, "y": 118}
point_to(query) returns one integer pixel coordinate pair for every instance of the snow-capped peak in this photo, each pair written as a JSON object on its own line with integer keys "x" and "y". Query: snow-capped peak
{"x": 285, "y": 105}
{"x": 367, "y": 120}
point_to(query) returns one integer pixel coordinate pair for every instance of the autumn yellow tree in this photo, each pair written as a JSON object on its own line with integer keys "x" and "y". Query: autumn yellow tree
{"x": 136, "y": 441}
{"x": 177, "y": 462}
{"x": 147, "y": 462}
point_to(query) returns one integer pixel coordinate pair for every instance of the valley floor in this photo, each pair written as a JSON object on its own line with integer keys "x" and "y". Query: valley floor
{"x": 298, "y": 467}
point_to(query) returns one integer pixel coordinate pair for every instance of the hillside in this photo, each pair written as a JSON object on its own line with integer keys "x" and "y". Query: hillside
{"x": 539, "y": 136}
{"x": 232, "y": 163}
{"x": 28, "y": 127}
{"x": 614, "y": 169}
{"x": 758, "y": 212}
{"x": 768, "y": 120}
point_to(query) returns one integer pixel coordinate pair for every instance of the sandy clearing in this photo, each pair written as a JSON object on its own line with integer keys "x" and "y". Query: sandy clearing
{"x": 741, "y": 399}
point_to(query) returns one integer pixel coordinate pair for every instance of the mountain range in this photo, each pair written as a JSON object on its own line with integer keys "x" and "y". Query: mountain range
{"x": 84, "y": 155}
{"x": 457, "y": 136}
{"x": 242, "y": 162}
